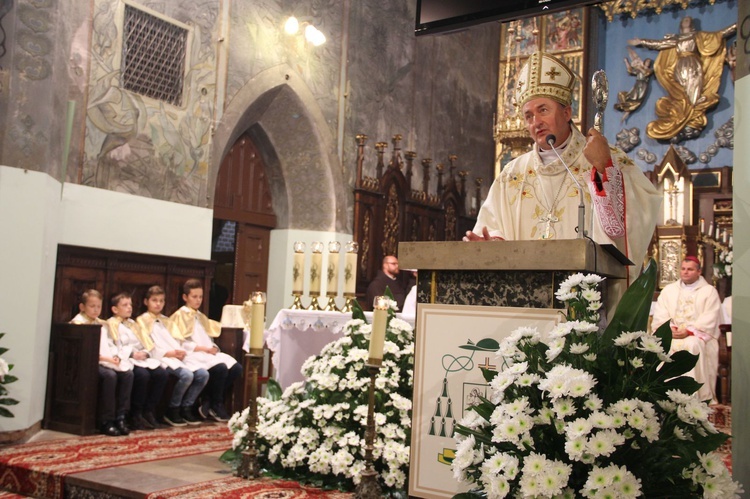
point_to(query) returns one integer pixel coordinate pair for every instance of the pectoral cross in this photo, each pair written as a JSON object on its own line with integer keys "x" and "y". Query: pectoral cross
{"x": 548, "y": 219}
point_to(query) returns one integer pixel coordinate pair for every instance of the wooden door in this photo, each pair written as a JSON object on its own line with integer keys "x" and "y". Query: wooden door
{"x": 243, "y": 197}
{"x": 251, "y": 269}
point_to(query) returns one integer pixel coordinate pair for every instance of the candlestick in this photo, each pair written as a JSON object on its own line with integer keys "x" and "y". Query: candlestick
{"x": 702, "y": 225}
{"x": 377, "y": 338}
{"x": 368, "y": 487}
{"x": 257, "y": 319}
{"x": 316, "y": 274}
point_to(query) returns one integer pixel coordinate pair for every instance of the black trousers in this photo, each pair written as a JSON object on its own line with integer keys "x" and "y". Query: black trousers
{"x": 115, "y": 388}
{"x": 220, "y": 380}
{"x": 148, "y": 388}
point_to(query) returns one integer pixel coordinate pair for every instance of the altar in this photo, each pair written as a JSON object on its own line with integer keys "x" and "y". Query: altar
{"x": 295, "y": 335}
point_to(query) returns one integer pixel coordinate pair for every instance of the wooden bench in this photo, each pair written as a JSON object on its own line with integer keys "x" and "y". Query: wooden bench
{"x": 72, "y": 377}
{"x": 724, "y": 381}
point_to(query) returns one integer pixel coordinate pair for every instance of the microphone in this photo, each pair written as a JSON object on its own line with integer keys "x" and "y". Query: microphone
{"x": 551, "y": 139}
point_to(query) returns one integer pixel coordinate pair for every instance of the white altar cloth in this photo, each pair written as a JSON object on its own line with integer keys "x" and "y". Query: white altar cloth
{"x": 295, "y": 335}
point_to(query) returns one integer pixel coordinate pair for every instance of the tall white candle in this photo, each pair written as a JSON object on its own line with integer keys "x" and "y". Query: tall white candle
{"x": 379, "y": 319}
{"x": 332, "y": 282}
{"x": 298, "y": 268}
{"x": 257, "y": 319}
{"x": 350, "y": 273}
{"x": 316, "y": 267}
{"x": 702, "y": 225}
{"x": 350, "y": 268}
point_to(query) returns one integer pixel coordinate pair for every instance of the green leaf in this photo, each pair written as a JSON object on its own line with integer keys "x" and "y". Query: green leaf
{"x": 229, "y": 456}
{"x": 5, "y": 413}
{"x": 273, "y": 389}
{"x": 357, "y": 312}
{"x": 8, "y": 401}
{"x": 9, "y": 378}
{"x": 467, "y": 495}
{"x": 3, "y": 350}
{"x": 682, "y": 362}
{"x": 635, "y": 305}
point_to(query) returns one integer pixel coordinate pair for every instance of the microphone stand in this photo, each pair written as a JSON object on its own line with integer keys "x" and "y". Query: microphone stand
{"x": 581, "y": 206}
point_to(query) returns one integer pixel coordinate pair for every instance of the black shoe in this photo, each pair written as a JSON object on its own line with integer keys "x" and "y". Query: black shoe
{"x": 218, "y": 413}
{"x": 172, "y": 417}
{"x": 150, "y": 420}
{"x": 121, "y": 426}
{"x": 110, "y": 429}
{"x": 188, "y": 414}
{"x": 204, "y": 410}
{"x": 137, "y": 422}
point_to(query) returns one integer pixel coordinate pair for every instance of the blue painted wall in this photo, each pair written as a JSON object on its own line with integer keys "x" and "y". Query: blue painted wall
{"x": 613, "y": 48}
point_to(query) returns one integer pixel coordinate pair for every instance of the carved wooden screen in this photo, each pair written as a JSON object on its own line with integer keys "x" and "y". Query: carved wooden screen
{"x": 387, "y": 210}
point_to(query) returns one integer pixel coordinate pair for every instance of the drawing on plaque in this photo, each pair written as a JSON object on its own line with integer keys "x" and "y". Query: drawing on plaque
{"x": 445, "y": 415}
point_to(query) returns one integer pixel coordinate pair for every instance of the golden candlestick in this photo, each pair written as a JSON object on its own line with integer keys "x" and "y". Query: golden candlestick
{"x": 368, "y": 487}
{"x": 249, "y": 467}
{"x": 350, "y": 297}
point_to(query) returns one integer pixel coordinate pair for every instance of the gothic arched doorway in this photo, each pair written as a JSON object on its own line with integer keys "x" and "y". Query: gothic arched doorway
{"x": 243, "y": 220}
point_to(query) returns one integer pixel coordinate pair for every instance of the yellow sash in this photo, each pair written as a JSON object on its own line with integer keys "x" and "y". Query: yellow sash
{"x": 182, "y": 323}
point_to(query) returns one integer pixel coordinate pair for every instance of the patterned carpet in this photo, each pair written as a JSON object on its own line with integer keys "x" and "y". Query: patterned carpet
{"x": 238, "y": 488}
{"x": 38, "y": 469}
{"x": 722, "y": 419}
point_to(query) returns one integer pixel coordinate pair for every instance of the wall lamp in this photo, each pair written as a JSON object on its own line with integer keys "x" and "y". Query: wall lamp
{"x": 312, "y": 34}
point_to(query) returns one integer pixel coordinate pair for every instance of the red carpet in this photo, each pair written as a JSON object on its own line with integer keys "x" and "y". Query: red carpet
{"x": 38, "y": 469}
{"x": 237, "y": 488}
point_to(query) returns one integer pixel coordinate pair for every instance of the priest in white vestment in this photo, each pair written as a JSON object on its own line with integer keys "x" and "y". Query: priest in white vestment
{"x": 693, "y": 308}
{"x": 535, "y": 197}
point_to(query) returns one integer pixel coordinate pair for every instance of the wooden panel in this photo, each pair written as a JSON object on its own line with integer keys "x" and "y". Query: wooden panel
{"x": 110, "y": 272}
{"x": 72, "y": 379}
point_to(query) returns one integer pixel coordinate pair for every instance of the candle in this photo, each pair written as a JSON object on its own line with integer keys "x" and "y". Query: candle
{"x": 257, "y": 319}
{"x": 731, "y": 242}
{"x": 332, "y": 284}
{"x": 350, "y": 268}
{"x": 379, "y": 319}
{"x": 316, "y": 268}
{"x": 724, "y": 236}
{"x": 717, "y": 233}
{"x": 711, "y": 229}
{"x": 298, "y": 268}
{"x": 702, "y": 224}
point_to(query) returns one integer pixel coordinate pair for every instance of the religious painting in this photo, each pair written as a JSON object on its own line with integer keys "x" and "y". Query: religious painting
{"x": 519, "y": 38}
{"x": 564, "y": 31}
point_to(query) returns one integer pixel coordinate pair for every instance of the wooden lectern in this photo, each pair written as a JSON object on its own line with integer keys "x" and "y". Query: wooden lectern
{"x": 469, "y": 297}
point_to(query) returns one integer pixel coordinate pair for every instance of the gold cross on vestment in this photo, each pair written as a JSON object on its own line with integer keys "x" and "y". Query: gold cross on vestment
{"x": 552, "y": 73}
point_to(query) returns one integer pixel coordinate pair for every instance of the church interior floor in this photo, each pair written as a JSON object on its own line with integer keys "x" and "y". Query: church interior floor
{"x": 138, "y": 480}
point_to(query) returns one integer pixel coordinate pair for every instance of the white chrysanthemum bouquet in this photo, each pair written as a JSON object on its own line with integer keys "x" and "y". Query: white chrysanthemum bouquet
{"x": 592, "y": 414}
{"x": 315, "y": 431}
{"x": 723, "y": 268}
{"x": 5, "y": 379}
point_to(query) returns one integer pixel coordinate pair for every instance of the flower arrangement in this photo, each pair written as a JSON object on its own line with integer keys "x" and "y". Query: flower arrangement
{"x": 5, "y": 379}
{"x": 315, "y": 431}
{"x": 723, "y": 268}
{"x": 590, "y": 413}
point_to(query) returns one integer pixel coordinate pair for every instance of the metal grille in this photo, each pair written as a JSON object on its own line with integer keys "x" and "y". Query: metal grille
{"x": 153, "y": 59}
